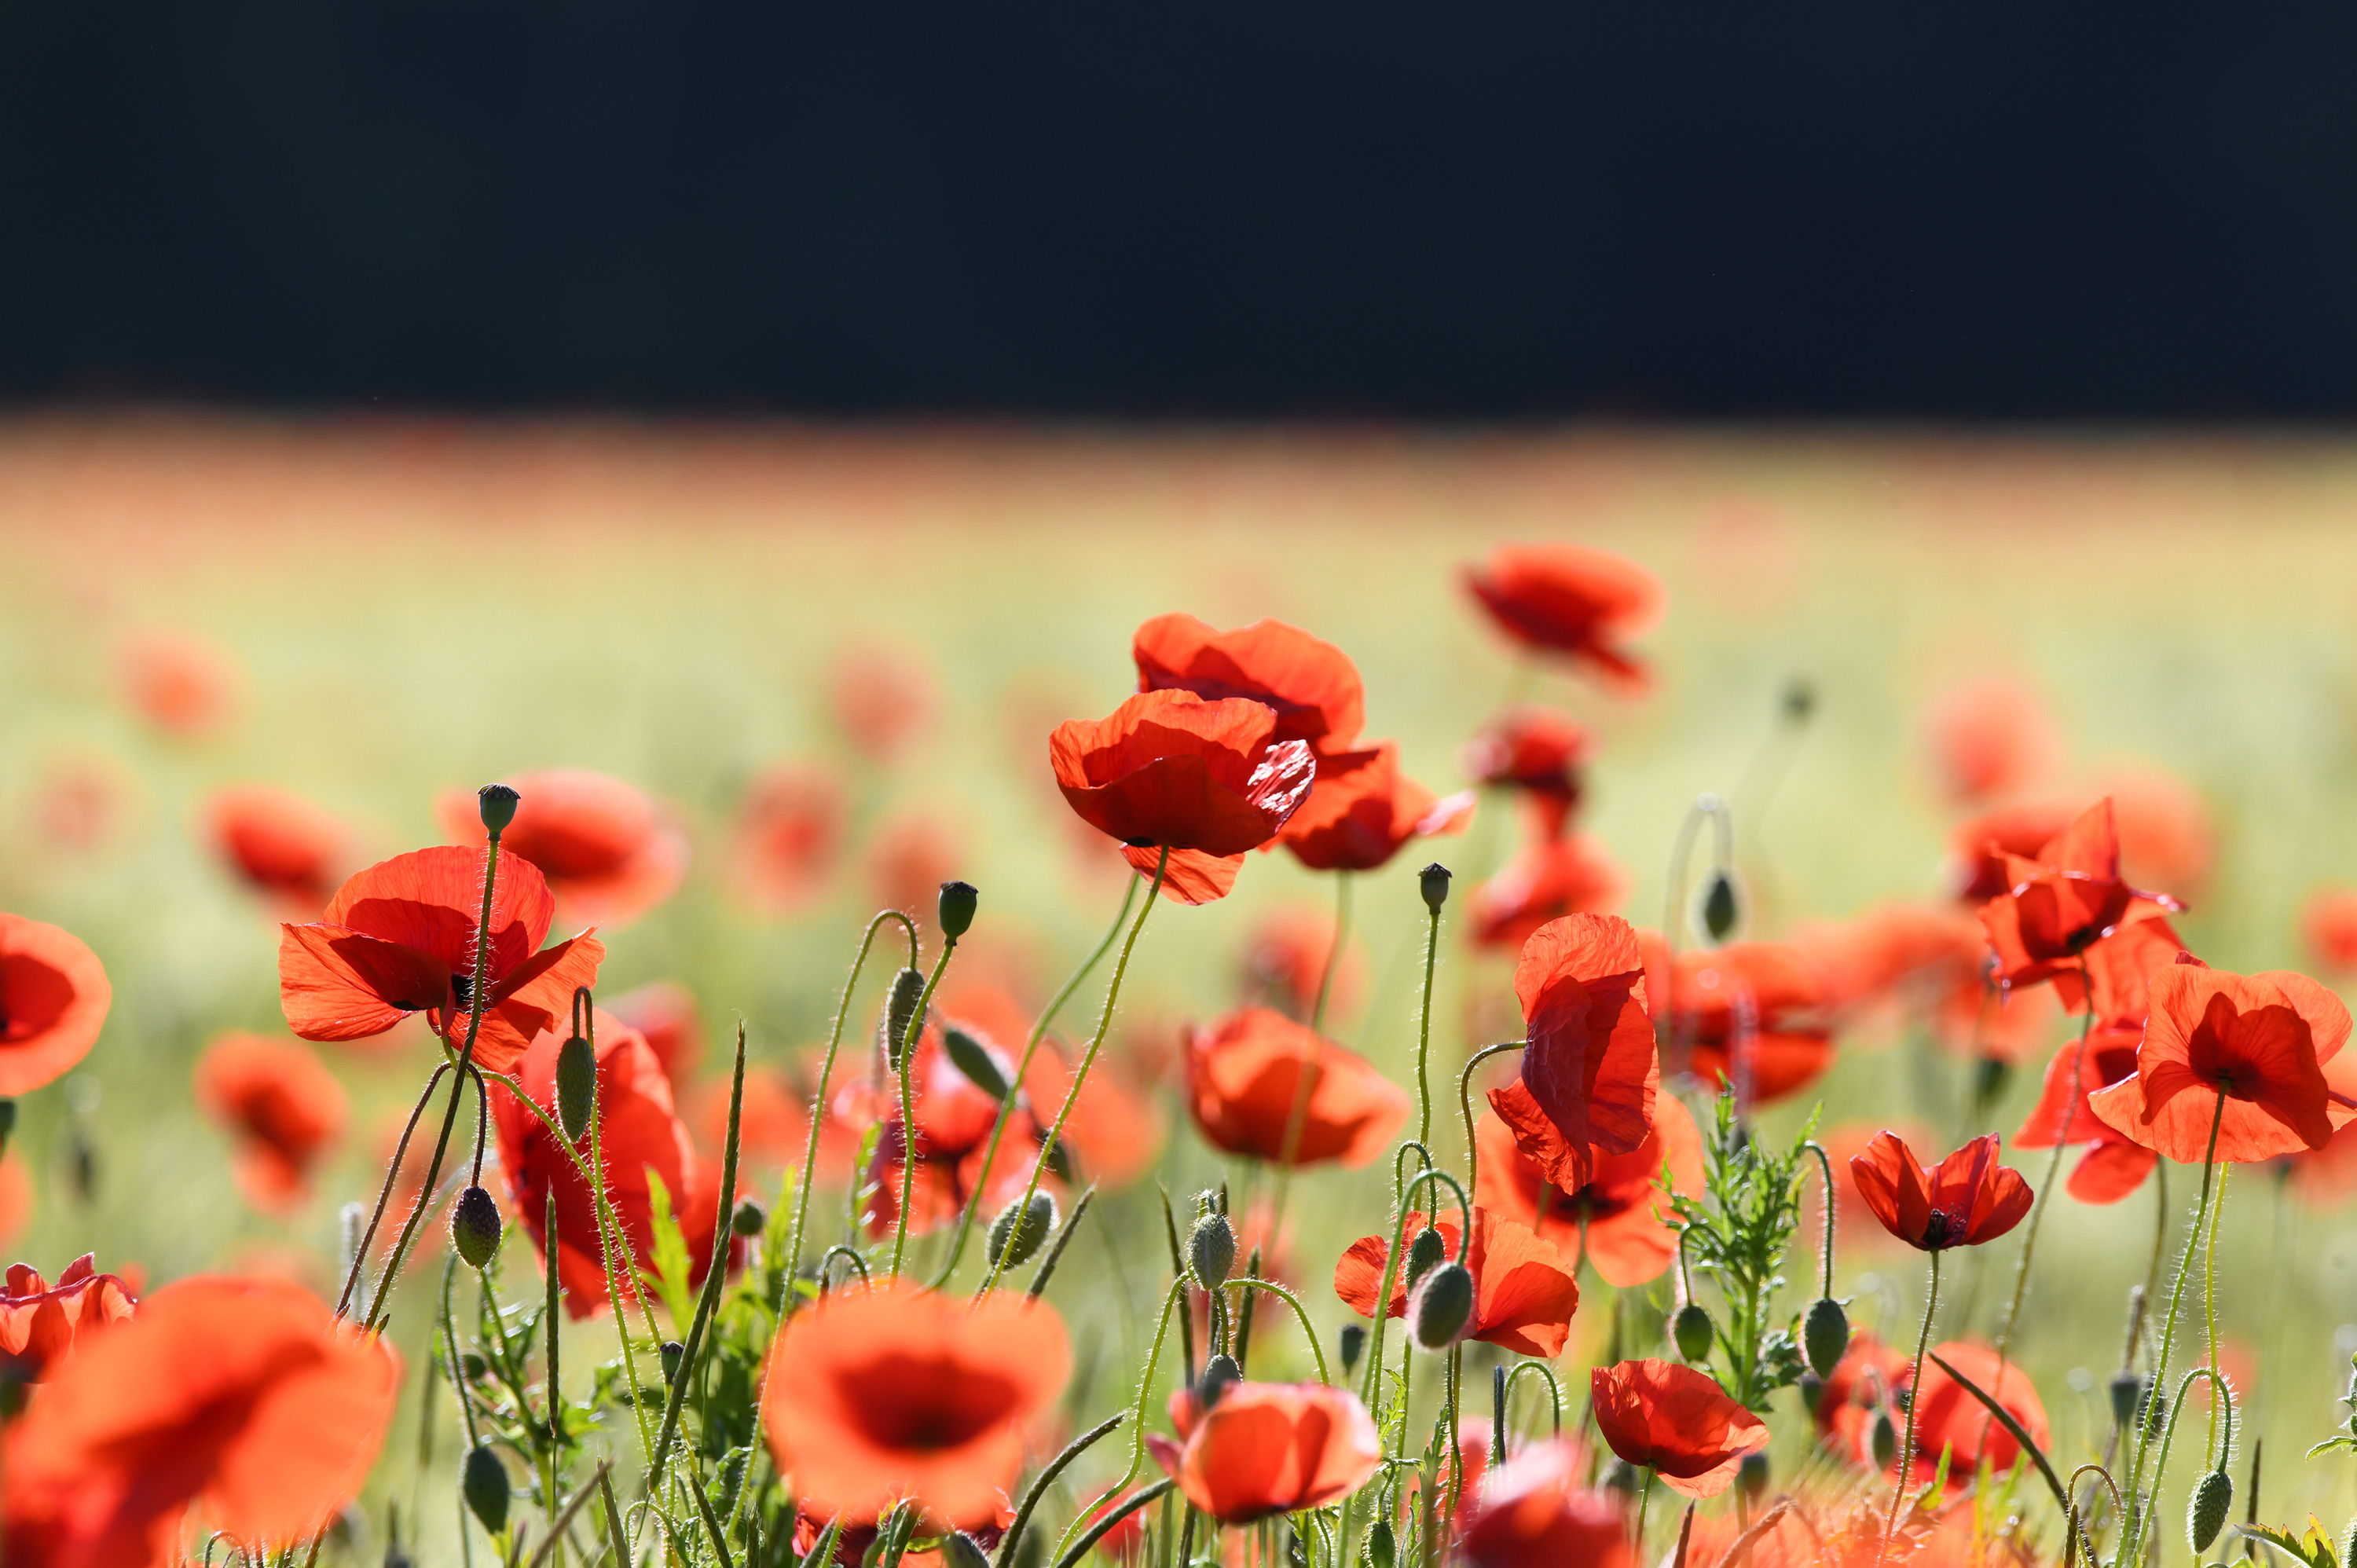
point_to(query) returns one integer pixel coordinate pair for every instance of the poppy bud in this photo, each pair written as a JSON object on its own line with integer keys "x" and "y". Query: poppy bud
{"x": 1383, "y": 1551}
{"x": 955, "y": 910}
{"x": 498, "y": 804}
{"x": 484, "y": 1482}
{"x": 1884, "y": 1441}
{"x": 2205, "y": 1516}
{"x": 1718, "y": 910}
{"x": 1989, "y": 1076}
{"x": 671, "y": 1352}
{"x": 960, "y": 1551}
{"x": 750, "y": 1218}
{"x": 1751, "y": 1476}
{"x": 475, "y": 1227}
{"x": 1442, "y": 1306}
{"x": 971, "y": 1058}
{"x": 1016, "y": 1234}
{"x": 1211, "y": 1250}
{"x": 7, "y": 1122}
{"x": 1692, "y": 1329}
{"x": 908, "y": 988}
{"x": 2348, "y": 1543}
{"x": 2124, "y": 1388}
{"x": 1825, "y": 1335}
{"x": 577, "y": 1085}
{"x": 1220, "y": 1373}
{"x": 1354, "y": 1345}
{"x": 1433, "y": 880}
{"x": 1427, "y": 1250}
{"x": 1800, "y": 699}
{"x": 1813, "y": 1392}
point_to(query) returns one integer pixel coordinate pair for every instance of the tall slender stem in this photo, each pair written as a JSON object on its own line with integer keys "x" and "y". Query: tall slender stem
{"x": 1907, "y": 1445}
{"x": 910, "y": 1038}
{"x": 1644, "y": 1498}
{"x": 1334, "y": 952}
{"x": 1424, "y": 1033}
{"x": 2138, "y": 1513}
{"x": 2209, "y": 1294}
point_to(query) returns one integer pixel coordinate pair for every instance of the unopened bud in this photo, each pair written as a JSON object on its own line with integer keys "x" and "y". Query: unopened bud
{"x": 1354, "y": 1345}
{"x": 1383, "y": 1547}
{"x": 1719, "y": 907}
{"x": 1424, "y": 1254}
{"x": 1211, "y": 1250}
{"x": 1825, "y": 1335}
{"x": 2348, "y": 1543}
{"x": 577, "y": 1085}
{"x": 908, "y": 989}
{"x": 498, "y": 804}
{"x": 1884, "y": 1441}
{"x": 1442, "y": 1306}
{"x": 1990, "y": 1074}
{"x": 2206, "y": 1515}
{"x": 672, "y": 1350}
{"x": 972, "y": 1058}
{"x": 1433, "y": 880}
{"x": 1691, "y": 1330}
{"x": 475, "y": 1227}
{"x": 484, "y": 1482}
{"x": 2124, "y": 1388}
{"x": 1813, "y": 1392}
{"x": 1751, "y": 1476}
{"x": 750, "y": 1218}
{"x": 1017, "y": 1233}
{"x": 1220, "y": 1373}
{"x": 960, "y": 1550}
{"x": 955, "y": 910}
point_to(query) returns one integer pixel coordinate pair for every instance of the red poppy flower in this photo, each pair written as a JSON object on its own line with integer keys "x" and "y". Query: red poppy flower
{"x": 1545, "y": 881}
{"x": 789, "y": 835}
{"x": 243, "y": 1396}
{"x": 1676, "y": 1422}
{"x": 1312, "y": 685}
{"x": 1363, "y": 809}
{"x": 1617, "y": 1212}
{"x": 663, "y": 1012}
{"x": 279, "y": 842}
{"x": 877, "y": 1395}
{"x": 2324, "y": 1177}
{"x": 1538, "y": 751}
{"x": 1243, "y": 1075}
{"x": 180, "y": 682}
{"x": 883, "y": 698}
{"x": 1535, "y": 1511}
{"x": 283, "y": 1107}
{"x": 912, "y": 854}
{"x": 2061, "y": 906}
{"x": 2112, "y": 1166}
{"x": 1949, "y": 1419}
{"x": 53, "y": 998}
{"x": 1964, "y": 1200}
{"x": 2261, "y": 1040}
{"x": 1271, "y": 1448}
{"x": 610, "y": 853}
{"x": 1989, "y": 738}
{"x": 1854, "y": 1223}
{"x": 1589, "y": 1074}
{"x": 1567, "y": 598}
{"x": 1979, "y": 846}
{"x": 1525, "y": 1291}
{"x": 1285, "y": 962}
{"x": 1858, "y": 1388}
{"x": 1750, "y": 1011}
{"x": 1207, "y": 778}
{"x": 41, "y": 1322}
{"x": 399, "y": 938}
{"x": 2329, "y": 927}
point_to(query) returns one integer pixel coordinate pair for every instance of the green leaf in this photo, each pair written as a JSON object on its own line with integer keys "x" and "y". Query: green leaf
{"x": 2314, "y": 1550}
{"x": 673, "y": 1274}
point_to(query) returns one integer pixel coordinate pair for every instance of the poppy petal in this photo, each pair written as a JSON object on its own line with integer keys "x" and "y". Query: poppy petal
{"x": 336, "y": 983}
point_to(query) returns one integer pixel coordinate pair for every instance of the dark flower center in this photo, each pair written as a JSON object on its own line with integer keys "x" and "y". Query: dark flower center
{"x": 1943, "y": 1229}
{"x": 463, "y": 987}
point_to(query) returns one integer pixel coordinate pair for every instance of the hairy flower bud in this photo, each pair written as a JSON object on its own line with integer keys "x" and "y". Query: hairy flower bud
{"x": 475, "y": 1227}
{"x": 1211, "y": 1250}
{"x": 1220, "y": 1373}
{"x": 1825, "y": 1335}
{"x": 1693, "y": 1331}
{"x": 1016, "y": 1234}
{"x": 955, "y": 910}
{"x": 1719, "y": 907}
{"x": 1433, "y": 881}
{"x": 498, "y": 804}
{"x": 672, "y": 1353}
{"x": 2206, "y": 1515}
{"x": 1354, "y": 1345}
{"x": 1423, "y": 1255}
{"x": 750, "y": 1218}
{"x": 577, "y": 1085}
{"x": 1383, "y": 1547}
{"x": 2124, "y": 1388}
{"x": 972, "y": 1058}
{"x": 1884, "y": 1441}
{"x": 1813, "y": 1392}
{"x": 484, "y": 1484}
{"x": 907, "y": 990}
{"x": 960, "y": 1550}
{"x": 1442, "y": 1306}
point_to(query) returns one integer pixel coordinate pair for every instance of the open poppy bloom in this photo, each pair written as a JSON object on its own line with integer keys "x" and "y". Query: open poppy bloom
{"x": 879, "y": 1394}
{"x": 283, "y": 1107}
{"x": 399, "y": 938}
{"x": 1569, "y": 600}
{"x": 1589, "y": 1072}
{"x": 1752, "y": 1013}
{"x": 180, "y": 682}
{"x": 1964, "y": 1200}
{"x": 1270, "y": 1448}
{"x": 953, "y": 1119}
{"x": 610, "y": 853}
{"x": 1949, "y": 1419}
{"x": 243, "y": 1396}
{"x": 1312, "y": 684}
{"x": 1363, "y": 809}
{"x": 1207, "y": 780}
{"x": 663, "y": 1012}
{"x": 1980, "y": 846}
{"x": 1535, "y": 1511}
{"x": 278, "y": 843}
{"x": 1525, "y": 1292}
{"x": 53, "y": 998}
{"x": 1989, "y": 738}
{"x": 40, "y": 1322}
{"x": 1284, "y": 961}
{"x": 1617, "y": 1212}
{"x": 789, "y": 835}
{"x": 2060, "y": 906}
{"x": 2112, "y": 1166}
{"x": 1244, "y": 1072}
{"x": 1546, "y": 880}
{"x": 1676, "y": 1422}
{"x": 2258, "y": 1040}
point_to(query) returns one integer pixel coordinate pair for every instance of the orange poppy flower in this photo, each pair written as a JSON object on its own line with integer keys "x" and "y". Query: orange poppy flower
{"x": 878, "y": 1395}
{"x": 243, "y": 1396}
{"x": 1979, "y": 847}
{"x": 1207, "y": 778}
{"x": 1312, "y": 685}
{"x": 1362, "y": 810}
{"x": 1545, "y": 881}
{"x": 399, "y": 938}
{"x": 2260, "y": 1040}
{"x": 1538, "y": 751}
{"x": 1570, "y": 599}
{"x": 283, "y": 1107}
{"x": 1676, "y": 1422}
{"x": 1988, "y": 737}
{"x": 2326, "y": 1176}
{"x": 53, "y": 998}
{"x": 2112, "y": 1166}
{"x": 883, "y": 698}
{"x": 1964, "y": 1200}
{"x": 2061, "y": 906}
{"x": 789, "y": 835}
{"x": 1525, "y": 1292}
{"x": 1854, "y": 1223}
{"x": 180, "y": 682}
{"x": 41, "y": 1322}
{"x": 663, "y": 1012}
{"x": 610, "y": 853}
{"x": 1285, "y": 962}
{"x": 1535, "y": 1511}
{"x": 1244, "y": 1072}
{"x": 2329, "y": 927}
{"x": 1616, "y": 1211}
{"x": 1270, "y": 1448}
{"x": 1949, "y": 1419}
{"x": 278, "y": 843}
{"x": 1590, "y": 1073}
{"x": 1754, "y": 1010}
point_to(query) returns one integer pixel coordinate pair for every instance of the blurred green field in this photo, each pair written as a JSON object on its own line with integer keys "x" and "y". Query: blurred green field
{"x": 415, "y": 606}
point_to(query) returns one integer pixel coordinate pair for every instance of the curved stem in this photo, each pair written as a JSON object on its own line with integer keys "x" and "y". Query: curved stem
{"x": 1372, "y": 1388}
{"x": 384, "y": 1194}
{"x": 2219, "y": 1395}
{"x": 910, "y": 1038}
{"x": 1170, "y": 1299}
{"x": 1104, "y": 1526}
{"x": 1554, "y": 1387}
{"x": 1824, "y": 1163}
{"x": 1465, "y": 1102}
{"x": 1248, "y": 1282}
{"x": 849, "y": 1255}
{"x": 1907, "y": 1445}
{"x": 2138, "y": 1514}
{"x": 1424, "y": 1034}
{"x": 2041, "y": 1200}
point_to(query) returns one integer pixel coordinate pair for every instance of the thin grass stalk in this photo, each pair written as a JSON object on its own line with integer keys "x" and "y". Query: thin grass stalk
{"x": 909, "y": 1039}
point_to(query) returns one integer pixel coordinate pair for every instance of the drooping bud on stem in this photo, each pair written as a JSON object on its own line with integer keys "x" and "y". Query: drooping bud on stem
{"x": 577, "y": 1085}
{"x": 955, "y": 910}
{"x": 1825, "y": 1335}
{"x": 1442, "y": 1306}
{"x": 2124, "y": 1388}
{"x": 672, "y": 1352}
{"x": 1719, "y": 908}
{"x": 750, "y": 1218}
{"x": 1220, "y": 1373}
{"x": 1016, "y": 1234}
{"x": 1354, "y": 1345}
{"x": 1693, "y": 1330}
{"x": 1433, "y": 881}
{"x": 1211, "y": 1250}
{"x": 484, "y": 1484}
{"x": 475, "y": 1227}
{"x": 1813, "y": 1392}
{"x": 907, "y": 990}
{"x": 2206, "y": 1515}
{"x": 498, "y": 804}
{"x": 1424, "y": 1254}
{"x": 1884, "y": 1441}
{"x": 972, "y": 1058}
{"x": 1383, "y": 1547}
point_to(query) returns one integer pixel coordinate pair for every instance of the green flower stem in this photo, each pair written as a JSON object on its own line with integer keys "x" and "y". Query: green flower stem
{"x": 1170, "y": 1299}
{"x": 1824, "y": 1163}
{"x": 1247, "y": 1283}
{"x": 384, "y": 1194}
{"x": 1644, "y": 1497}
{"x": 1465, "y": 1103}
{"x": 1424, "y": 1034}
{"x": 909, "y": 1040}
{"x": 1900, "y": 1488}
{"x": 1393, "y": 1264}
{"x": 2210, "y": 1296}
{"x": 715, "y": 1275}
{"x": 2041, "y": 1200}
{"x": 2137, "y": 1514}
{"x": 1555, "y": 1388}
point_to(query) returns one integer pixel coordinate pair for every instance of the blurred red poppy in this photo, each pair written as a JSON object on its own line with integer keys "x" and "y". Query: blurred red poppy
{"x": 1312, "y": 685}
{"x": 1751, "y": 1014}
{"x": 281, "y": 1105}
{"x": 1545, "y": 881}
{"x": 1858, "y": 1390}
{"x": 41, "y": 1322}
{"x": 1676, "y": 1422}
{"x": 1535, "y": 1511}
{"x": 1570, "y": 599}
{"x": 2326, "y": 1176}
{"x": 1271, "y": 1448}
{"x": 2059, "y": 907}
{"x": 912, "y": 854}
{"x": 399, "y": 938}
{"x": 1285, "y": 962}
{"x": 1207, "y": 778}
{"x": 1590, "y": 1073}
{"x": 609, "y": 852}
{"x": 2241, "y": 1053}
{"x": 1948, "y": 1420}
{"x": 883, "y": 699}
{"x": 1244, "y": 1072}
{"x": 2329, "y": 928}
{"x": 2112, "y": 1166}
{"x": 663, "y": 1012}
{"x": 1525, "y": 1291}
{"x": 1964, "y": 1200}
{"x": 80, "y": 801}
{"x": 1979, "y": 846}
{"x": 789, "y": 835}
{"x": 1538, "y": 751}
{"x": 180, "y": 682}
{"x": 244, "y": 1397}
{"x": 1987, "y": 737}
{"x": 1363, "y": 809}
{"x": 878, "y": 1395}
{"x": 53, "y": 999}
{"x": 1616, "y": 1213}
{"x": 278, "y": 843}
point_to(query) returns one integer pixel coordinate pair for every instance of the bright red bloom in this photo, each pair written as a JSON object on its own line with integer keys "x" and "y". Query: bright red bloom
{"x": 1979, "y": 846}
{"x": 1570, "y": 599}
{"x": 1534, "y": 1511}
{"x": 1538, "y": 751}
{"x": 1545, "y": 881}
{"x": 789, "y": 835}
{"x": 1525, "y": 1292}
{"x": 1675, "y": 1421}
{"x": 2329, "y": 927}
{"x": 663, "y": 1012}
{"x": 279, "y": 842}
{"x": 1271, "y": 1448}
{"x": 41, "y": 1322}
{"x": 244, "y": 1397}
{"x": 1244, "y": 1072}
{"x": 1590, "y": 1073}
{"x": 877, "y": 1395}
{"x": 1285, "y": 962}
{"x": 1859, "y": 1388}
{"x": 1207, "y": 778}
{"x": 1312, "y": 685}
{"x": 1854, "y": 1223}
{"x": 2061, "y": 906}
{"x": 399, "y": 938}
{"x": 180, "y": 682}
{"x": 1948, "y": 1419}
{"x": 1964, "y": 1200}
{"x": 2112, "y": 1166}
{"x": 2259, "y": 1040}
{"x": 53, "y": 998}
{"x": 283, "y": 1107}
{"x": 610, "y": 853}
{"x": 883, "y": 699}
{"x": 1617, "y": 1212}
{"x": 1751, "y": 1013}
{"x": 1362, "y": 810}
{"x": 1989, "y": 738}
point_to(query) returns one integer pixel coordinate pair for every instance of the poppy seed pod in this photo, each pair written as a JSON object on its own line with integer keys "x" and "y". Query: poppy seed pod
{"x": 1016, "y": 1234}
{"x": 1211, "y": 1250}
{"x": 1354, "y": 1345}
{"x": 2205, "y": 1516}
{"x": 1220, "y": 1373}
{"x": 475, "y": 1227}
{"x": 1425, "y": 1252}
{"x": 960, "y": 1550}
{"x": 907, "y": 990}
{"x": 484, "y": 1482}
{"x": 749, "y": 1220}
{"x": 1693, "y": 1330}
{"x": 2125, "y": 1388}
{"x": 1825, "y": 1335}
{"x": 955, "y": 910}
{"x": 577, "y": 1086}
{"x": 1719, "y": 910}
{"x": 498, "y": 804}
{"x": 1433, "y": 880}
{"x": 1442, "y": 1306}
